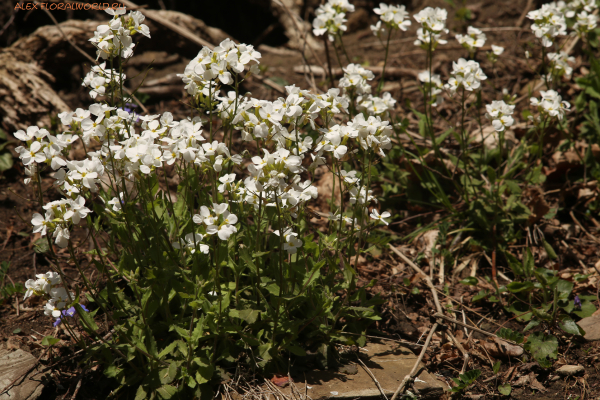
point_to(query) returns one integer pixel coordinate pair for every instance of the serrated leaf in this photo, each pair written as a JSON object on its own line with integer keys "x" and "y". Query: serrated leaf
{"x": 506, "y": 333}
{"x": 505, "y": 389}
{"x": 87, "y": 319}
{"x": 543, "y": 348}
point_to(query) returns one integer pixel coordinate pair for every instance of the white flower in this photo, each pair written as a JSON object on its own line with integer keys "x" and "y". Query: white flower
{"x": 497, "y": 50}
{"x": 291, "y": 241}
{"x": 375, "y": 215}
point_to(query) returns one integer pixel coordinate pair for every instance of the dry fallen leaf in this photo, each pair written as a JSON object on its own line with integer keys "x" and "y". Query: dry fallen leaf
{"x": 281, "y": 381}
{"x": 501, "y": 349}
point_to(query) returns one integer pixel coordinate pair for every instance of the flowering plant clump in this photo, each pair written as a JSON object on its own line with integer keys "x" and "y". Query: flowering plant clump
{"x": 548, "y": 23}
{"x": 228, "y": 270}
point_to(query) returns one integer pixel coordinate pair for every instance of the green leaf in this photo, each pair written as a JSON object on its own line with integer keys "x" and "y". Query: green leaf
{"x": 568, "y": 325}
{"x": 6, "y": 161}
{"x": 543, "y": 348}
{"x": 496, "y": 367}
{"x": 49, "y": 341}
{"x": 587, "y": 308}
{"x": 248, "y": 315}
{"x": 550, "y": 251}
{"x": 18, "y": 330}
{"x": 205, "y": 370}
{"x": 41, "y": 245}
{"x": 517, "y": 287}
{"x": 87, "y": 319}
{"x": 505, "y": 389}
{"x": 141, "y": 393}
{"x": 167, "y": 391}
{"x": 471, "y": 280}
{"x": 532, "y": 324}
{"x": 506, "y": 333}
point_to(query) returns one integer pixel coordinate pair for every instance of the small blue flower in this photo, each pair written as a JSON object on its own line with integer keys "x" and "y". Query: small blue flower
{"x": 577, "y": 302}
{"x": 69, "y": 313}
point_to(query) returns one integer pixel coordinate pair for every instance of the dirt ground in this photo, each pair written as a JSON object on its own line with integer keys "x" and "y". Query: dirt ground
{"x": 405, "y": 313}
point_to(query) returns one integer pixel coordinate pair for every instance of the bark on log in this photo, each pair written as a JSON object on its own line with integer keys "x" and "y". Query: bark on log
{"x": 28, "y": 67}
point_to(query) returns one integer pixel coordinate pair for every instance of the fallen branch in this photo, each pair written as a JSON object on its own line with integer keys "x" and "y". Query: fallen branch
{"x": 415, "y": 368}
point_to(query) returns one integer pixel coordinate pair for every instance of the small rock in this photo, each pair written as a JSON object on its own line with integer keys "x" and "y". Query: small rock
{"x": 15, "y": 364}
{"x": 591, "y": 326}
{"x": 569, "y": 370}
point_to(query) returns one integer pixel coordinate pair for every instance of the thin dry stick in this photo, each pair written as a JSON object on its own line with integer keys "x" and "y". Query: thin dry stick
{"x": 436, "y": 300}
{"x": 414, "y": 266}
{"x": 415, "y": 368}
{"x": 525, "y": 12}
{"x": 595, "y": 239}
{"x": 474, "y": 328}
{"x": 372, "y": 377}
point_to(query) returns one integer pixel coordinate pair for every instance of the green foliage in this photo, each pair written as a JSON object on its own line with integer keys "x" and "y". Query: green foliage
{"x": 505, "y": 389}
{"x": 543, "y": 348}
{"x": 509, "y": 334}
{"x": 8, "y": 289}
{"x": 6, "y": 158}
{"x": 465, "y": 380}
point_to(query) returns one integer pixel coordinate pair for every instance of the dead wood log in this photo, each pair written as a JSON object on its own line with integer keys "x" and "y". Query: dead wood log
{"x": 29, "y": 67}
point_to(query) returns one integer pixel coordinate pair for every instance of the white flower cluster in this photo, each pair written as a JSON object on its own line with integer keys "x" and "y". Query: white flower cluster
{"x": 474, "y": 39}
{"x": 60, "y": 214}
{"x": 586, "y": 22}
{"x": 114, "y": 39}
{"x": 47, "y": 285}
{"x": 433, "y": 85}
{"x": 217, "y": 220}
{"x": 219, "y": 65}
{"x": 390, "y": 17}
{"x": 433, "y": 24}
{"x": 356, "y": 79}
{"x": 374, "y": 105}
{"x": 467, "y": 74}
{"x": 99, "y": 79}
{"x": 559, "y": 65}
{"x": 548, "y": 23}
{"x": 331, "y": 18}
{"x": 42, "y": 148}
{"x": 500, "y": 114}
{"x": 572, "y": 7}
{"x": 551, "y": 105}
